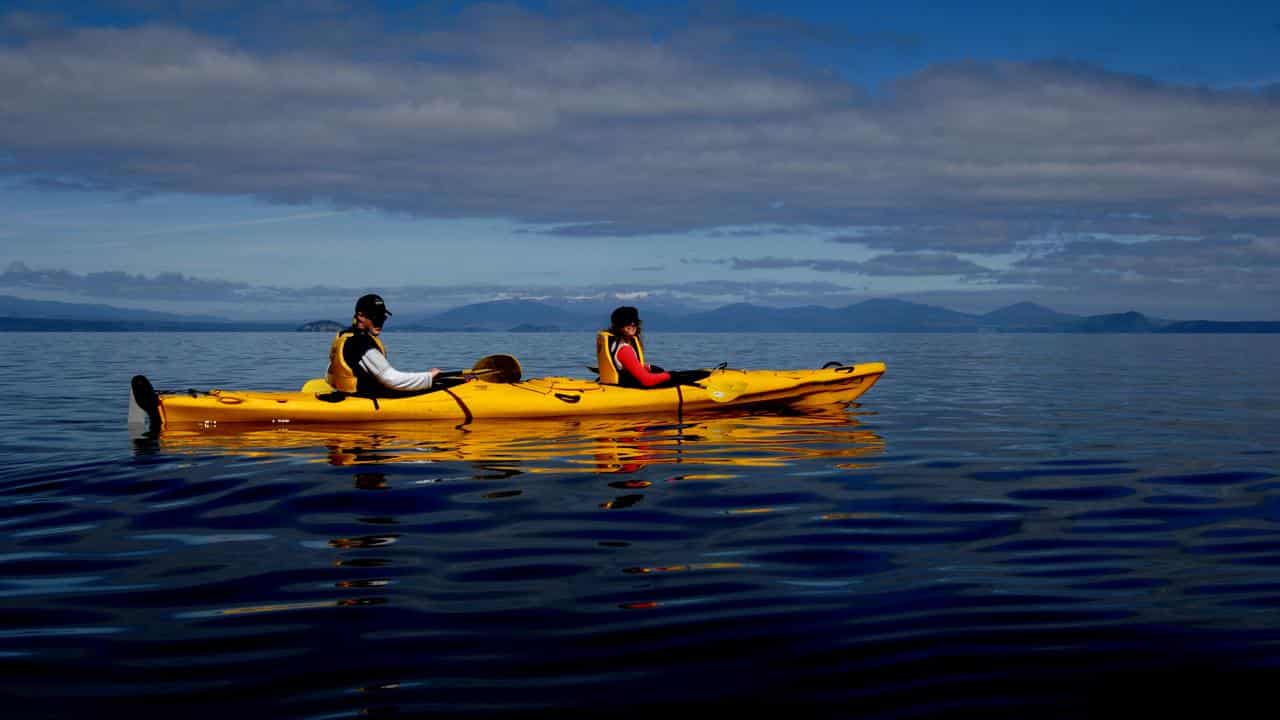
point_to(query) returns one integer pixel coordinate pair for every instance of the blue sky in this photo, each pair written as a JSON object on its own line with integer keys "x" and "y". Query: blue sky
{"x": 276, "y": 159}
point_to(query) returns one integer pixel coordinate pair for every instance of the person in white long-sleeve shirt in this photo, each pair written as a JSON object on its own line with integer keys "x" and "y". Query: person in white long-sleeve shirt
{"x": 358, "y": 360}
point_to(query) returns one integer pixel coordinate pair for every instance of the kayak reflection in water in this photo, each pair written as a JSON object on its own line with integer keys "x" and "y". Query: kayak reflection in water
{"x": 620, "y": 356}
{"x": 358, "y": 359}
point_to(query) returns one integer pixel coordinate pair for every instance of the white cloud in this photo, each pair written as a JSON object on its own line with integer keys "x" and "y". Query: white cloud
{"x": 556, "y": 124}
{"x": 592, "y": 123}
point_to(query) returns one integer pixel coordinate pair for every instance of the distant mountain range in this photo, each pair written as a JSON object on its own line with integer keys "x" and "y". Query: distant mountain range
{"x": 533, "y": 316}
{"x": 44, "y": 315}
{"x": 867, "y": 316}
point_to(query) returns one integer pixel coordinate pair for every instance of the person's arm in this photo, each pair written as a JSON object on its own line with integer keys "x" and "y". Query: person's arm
{"x": 377, "y": 365}
{"x": 631, "y": 362}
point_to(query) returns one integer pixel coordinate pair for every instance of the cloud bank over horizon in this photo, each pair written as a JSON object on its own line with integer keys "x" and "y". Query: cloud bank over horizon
{"x": 176, "y": 293}
{"x": 595, "y": 122}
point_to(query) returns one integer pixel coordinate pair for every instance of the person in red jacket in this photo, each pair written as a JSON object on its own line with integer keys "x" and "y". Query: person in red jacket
{"x": 626, "y": 352}
{"x": 620, "y": 356}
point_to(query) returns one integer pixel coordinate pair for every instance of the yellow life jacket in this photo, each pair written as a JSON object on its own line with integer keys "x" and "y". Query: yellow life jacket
{"x": 340, "y": 375}
{"x": 607, "y": 357}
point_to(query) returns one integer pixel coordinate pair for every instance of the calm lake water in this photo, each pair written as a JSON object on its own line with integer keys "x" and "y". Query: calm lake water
{"x": 1006, "y": 525}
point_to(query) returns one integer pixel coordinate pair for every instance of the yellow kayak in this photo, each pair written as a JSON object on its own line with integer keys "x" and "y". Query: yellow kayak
{"x": 499, "y": 395}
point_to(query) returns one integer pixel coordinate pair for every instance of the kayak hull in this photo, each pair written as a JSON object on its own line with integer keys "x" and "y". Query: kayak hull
{"x": 549, "y": 397}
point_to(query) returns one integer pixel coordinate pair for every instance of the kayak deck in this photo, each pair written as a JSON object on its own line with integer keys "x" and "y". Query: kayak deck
{"x": 548, "y": 397}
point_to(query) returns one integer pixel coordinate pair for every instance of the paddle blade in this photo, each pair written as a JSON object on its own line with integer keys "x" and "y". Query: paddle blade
{"x": 506, "y": 369}
{"x": 317, "y": 385}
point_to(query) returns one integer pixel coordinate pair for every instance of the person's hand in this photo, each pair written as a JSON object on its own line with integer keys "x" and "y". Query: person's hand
{"x": 435, "y": 372}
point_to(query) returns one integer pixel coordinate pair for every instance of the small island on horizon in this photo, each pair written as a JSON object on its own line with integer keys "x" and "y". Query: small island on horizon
{"x": 321, "y": 326}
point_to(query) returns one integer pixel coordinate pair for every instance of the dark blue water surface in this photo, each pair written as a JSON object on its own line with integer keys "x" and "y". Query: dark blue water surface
{"x": 1007, "y": 525}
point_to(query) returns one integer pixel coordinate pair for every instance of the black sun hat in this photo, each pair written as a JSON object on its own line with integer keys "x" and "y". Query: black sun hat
{"x": 373, "y": 307}
{"x": 624, "y": 315}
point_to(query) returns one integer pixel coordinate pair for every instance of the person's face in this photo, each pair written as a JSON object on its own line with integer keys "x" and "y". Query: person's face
{"x": 368, "y": 324}
{"x": 631, "y": 329}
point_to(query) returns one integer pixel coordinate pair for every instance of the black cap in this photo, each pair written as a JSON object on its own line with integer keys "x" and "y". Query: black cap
{"x": 624, "y": 315}
{"x": 373, "y": 307}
